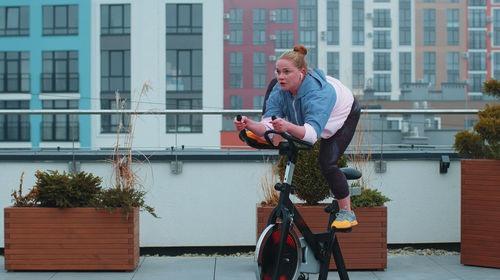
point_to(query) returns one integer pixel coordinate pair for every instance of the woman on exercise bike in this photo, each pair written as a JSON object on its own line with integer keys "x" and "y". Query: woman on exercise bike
{"x": 315, "y": 106}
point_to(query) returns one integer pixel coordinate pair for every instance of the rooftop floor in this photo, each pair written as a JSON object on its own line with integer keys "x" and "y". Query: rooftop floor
{"x": 407, "y": 267}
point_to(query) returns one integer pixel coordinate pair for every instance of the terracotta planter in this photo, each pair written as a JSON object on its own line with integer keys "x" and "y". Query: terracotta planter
{"x": 71, "y": 239}
{"x": 363, "y": 248}
{"x": 480, "y": 222}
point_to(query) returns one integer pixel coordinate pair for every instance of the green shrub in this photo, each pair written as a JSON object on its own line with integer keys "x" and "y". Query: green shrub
{"x": 484, "y": 141}
{"x": 368, "y": 198}
{"x": 66, "y": 190}
{"x": 311, "y": 185}
{"x": 125, "y": 199}
{"x": 492, "y": 87}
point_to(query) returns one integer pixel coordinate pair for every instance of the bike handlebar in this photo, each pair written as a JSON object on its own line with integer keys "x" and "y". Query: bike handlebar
{"x": 255, "y": 143}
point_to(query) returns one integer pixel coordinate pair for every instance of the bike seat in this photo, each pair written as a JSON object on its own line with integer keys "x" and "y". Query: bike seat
{"x": 351, "y": 173}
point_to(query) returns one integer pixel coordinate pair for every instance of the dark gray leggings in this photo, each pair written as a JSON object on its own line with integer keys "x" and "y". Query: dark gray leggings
{"x": 331, "y": 149}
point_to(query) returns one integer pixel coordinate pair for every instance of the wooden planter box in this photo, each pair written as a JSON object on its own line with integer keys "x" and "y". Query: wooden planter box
{"x": 480, "y": 221}
{"x": 363, "y": 248}
{"x": 71, "y": 239}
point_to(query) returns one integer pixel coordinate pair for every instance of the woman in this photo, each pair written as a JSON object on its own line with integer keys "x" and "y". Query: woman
{"x": 315, "y": 106}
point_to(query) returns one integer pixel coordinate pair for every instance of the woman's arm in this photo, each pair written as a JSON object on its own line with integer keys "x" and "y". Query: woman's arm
{"x": 280, "y": 125}
{"x": 256, "y": 127}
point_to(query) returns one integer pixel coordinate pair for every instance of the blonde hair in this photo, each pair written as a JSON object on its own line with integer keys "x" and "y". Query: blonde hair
{"x": 297, "y": 56}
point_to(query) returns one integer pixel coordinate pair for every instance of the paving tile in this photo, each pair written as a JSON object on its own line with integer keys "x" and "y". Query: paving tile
{"x": 230, "y": 268}
{"x": 453, "y": 265}
{"x": 414, "y": 268}
{"x": 243, "y": 268}
{"x": 178, "y": 268}
{"x": 26, "y": 275}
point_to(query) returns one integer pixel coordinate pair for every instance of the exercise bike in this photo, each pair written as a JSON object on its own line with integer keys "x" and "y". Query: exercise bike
{"x": 279, "y": 253}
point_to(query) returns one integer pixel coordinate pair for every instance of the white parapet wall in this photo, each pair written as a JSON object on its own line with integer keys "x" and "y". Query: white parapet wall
{"x": 213, "y": 203}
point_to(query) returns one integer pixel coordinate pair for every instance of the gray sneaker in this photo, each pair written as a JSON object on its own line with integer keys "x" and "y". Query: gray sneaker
{"x": 345, "y": 220}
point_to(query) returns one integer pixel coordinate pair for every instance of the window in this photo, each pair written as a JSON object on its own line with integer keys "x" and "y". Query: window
{"x": 496, "y": 65}
{"x": 235, "y": 27}
{"x": 258, "y": 101}
{"x": 382, "y": 39}
{"x": 14, "y": 21}
{"x": 453, "y": 67}
{"x": 405, "y": 22}
{"x": 115, "y": 66}
{"x": 235, "y": 102}
{"x": 358, "y": 22}
{"x": 14, "y": 127}
{"x": 259, "y": 70}
{"x": 60, "y": 127}
{"x": 404, "y": 68}
{"x": 115, "y": 19}
{"x": 496, "y": 27}
{"x": 60, "y": 20}
{"x": 452, "y": 26}
{"x": 111, "y": 123}
{"x": 184, "y": 123}
{"x": 476, "y": 82}
{"x": 308, "y": 29}
{"x": 284, "y": 39}
{"x": 115, "y": 76}
{"x": 393, "y": 124}
{"x": 358, "y": 70}
{"x": 477, "y": 17}
{"x": 332, "y": 22}
{"x": 333, "y": 64}
{"x": 184, "y": 65}
{"x": 382, "y": 61}
{"x": 184, "y": 70}
{"x": 477, "y": 40}
{"x": 259, "y": 27}
{"x": 236, "y": 70}
{"x": 477, "y": 3}
{"x": 429, "y": 27}
{"x": 60, "y": 71}
{"x": 430, "y": 68}
{"x": 382, "y": 82}
{"x": 184, "y": 19}
{"x": 477, "y": 61}
{"x": 284, "y": 16}
{"x": 115, "y": 71}
{"x": 14, "y": 72}
{"x": 381, "y": 18}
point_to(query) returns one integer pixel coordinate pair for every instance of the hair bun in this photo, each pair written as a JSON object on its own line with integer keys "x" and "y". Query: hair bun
{"x": 301, "y": 49}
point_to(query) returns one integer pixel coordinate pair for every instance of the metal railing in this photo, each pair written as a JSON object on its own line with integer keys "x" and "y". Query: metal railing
{"x": 221, "y": 112}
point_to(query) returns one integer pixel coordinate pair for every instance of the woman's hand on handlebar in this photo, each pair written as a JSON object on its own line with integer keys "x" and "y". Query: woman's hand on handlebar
{"x": 280, "y": 125}
{"x": 247, "y": 123}
{"x": 240, "y": 122}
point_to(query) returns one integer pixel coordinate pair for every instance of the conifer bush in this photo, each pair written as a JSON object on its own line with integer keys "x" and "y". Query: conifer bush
{"x": 311, "y": 185}
{"x": 484, "y": 140}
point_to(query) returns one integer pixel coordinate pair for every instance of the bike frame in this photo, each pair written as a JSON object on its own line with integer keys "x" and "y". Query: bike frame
{"x": 324, "y": 244}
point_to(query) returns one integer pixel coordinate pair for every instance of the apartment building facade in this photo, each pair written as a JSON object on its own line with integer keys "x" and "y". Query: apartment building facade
{"x": 44, "y": 64}
{"x": 380, "y": 49}
{"x": 93, "y": 54}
